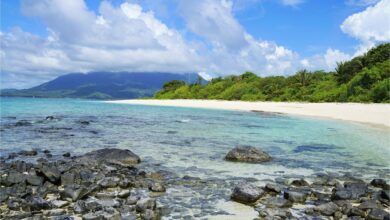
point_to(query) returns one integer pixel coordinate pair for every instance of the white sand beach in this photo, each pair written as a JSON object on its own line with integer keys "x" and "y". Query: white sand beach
{"x": 376, "y": 114}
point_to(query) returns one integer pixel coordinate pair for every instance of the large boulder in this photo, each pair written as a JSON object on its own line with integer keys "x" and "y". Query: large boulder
{"x": 246, "y": 193}
{"x": 247, "y": 154}
{"x": 111, "y": 155}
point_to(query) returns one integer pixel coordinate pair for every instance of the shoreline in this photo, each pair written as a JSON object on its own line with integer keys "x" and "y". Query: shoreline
{"x": 373, "y": 114}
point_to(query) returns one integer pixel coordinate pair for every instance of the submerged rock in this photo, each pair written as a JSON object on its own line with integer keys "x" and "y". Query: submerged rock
{"x": 111, "y": 155}
{"x": 246, "y": 193}
{"x": 247, "y": 154}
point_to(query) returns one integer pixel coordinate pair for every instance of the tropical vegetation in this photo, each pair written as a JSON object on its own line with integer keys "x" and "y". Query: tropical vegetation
{"x": 364, "y": 78}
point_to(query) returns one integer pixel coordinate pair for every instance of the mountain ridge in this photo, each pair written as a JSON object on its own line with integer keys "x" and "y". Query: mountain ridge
{"x": 101, "y": 85}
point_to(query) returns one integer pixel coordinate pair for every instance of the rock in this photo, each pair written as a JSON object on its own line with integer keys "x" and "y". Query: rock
{"x": 14, "y": 178}
{"x": 109, "y": 203}
{"x": 75, "y": 193}
{"x": 93, "y": 216}
{"x": 67, "y": 154}
{"x": 146, "y": 203}
{"x": 271, "y": 187}
{"x": 384, "y": 194}
{"x": 54, "y": 212}
{"x": 356, "y": 212}
{"x": 274, "y": 212}
{"x": 378, "y": 214}
{"x": 277, "y": 202}
{"x": 150, "y": 215}
{"x": 381, "y": 183}
{"x": 327, "y": 209}
{"x": 67, "y": 178}
{"x": 51, "y": 173}
{"x": 132, "y": 200}
{"x": 300, "y": 182}
{"x": 79, "y": 207}
{"x": 370, "y": 204}
{"x": 109, "y": 182}
{"x": 124, "y": 194}
{"x": 28, "y": 152}
{"x": 23, "y": 123}
{"x": 246, "y": 193}
{"x": 247, "y": 154}
{"x": 36, "y": 203}
{"x": 111, "y": 155}
{"x": 59, "y": 203}
{"x": 351, "y": 190}
{"x": 292, "y": 196}
{"x": 93, "y": 205}
{"x": 156, "y": 187}
{"x": 34, "y": 180}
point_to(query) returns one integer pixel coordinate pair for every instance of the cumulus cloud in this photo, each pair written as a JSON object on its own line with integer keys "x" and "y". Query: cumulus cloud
{"x": 232, "y": 49}
{"x": 123, "y": 38}
{"x": 370, "y": 25}
{"x": 128, "y": 38}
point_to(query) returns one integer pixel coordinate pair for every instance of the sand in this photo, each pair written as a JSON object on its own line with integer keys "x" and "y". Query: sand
{"x": 374, "y": 114}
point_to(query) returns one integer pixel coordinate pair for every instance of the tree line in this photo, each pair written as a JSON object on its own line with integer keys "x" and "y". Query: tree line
{"x": 364, "y": 78}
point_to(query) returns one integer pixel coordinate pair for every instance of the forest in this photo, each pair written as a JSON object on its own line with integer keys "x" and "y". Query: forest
{"x": 364, "y": 78}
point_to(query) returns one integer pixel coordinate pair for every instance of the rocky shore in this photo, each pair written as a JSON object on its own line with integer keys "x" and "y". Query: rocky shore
{"x": 105, "y": 184}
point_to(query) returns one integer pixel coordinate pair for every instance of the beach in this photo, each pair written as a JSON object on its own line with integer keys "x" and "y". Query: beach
{"x": 374, "y": 114}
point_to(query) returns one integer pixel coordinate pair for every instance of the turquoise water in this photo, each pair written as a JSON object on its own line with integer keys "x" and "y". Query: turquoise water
{"x": 193, "y": 141}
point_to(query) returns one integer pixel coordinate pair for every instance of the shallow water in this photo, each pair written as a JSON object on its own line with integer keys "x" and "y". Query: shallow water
{"x": 189, "y": 141}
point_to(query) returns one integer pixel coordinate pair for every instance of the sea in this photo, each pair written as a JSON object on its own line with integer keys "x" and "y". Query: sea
{"x": 193, "y": 142}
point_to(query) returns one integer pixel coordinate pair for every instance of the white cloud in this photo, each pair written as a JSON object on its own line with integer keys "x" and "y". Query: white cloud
{"x": 372, "y": 24}
{"x": 232, "y": 50}
{"x": 124, "y": 38}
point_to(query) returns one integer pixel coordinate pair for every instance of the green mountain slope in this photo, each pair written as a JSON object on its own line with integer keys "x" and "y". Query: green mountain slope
{"x": 101, "y": 85}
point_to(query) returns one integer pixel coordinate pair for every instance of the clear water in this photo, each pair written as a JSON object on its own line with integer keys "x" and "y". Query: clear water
{"x": 193, "y": 142}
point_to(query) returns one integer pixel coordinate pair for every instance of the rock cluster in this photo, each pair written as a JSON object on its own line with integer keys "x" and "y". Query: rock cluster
{"x": 97, "y": 185}
{"x": 325, "y": 197}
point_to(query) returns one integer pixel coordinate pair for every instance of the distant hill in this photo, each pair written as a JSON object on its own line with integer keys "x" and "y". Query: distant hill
{"x": 101, "y": 85}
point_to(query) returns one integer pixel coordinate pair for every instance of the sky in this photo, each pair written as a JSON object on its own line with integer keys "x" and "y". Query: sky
{"x": 43, "y": 39}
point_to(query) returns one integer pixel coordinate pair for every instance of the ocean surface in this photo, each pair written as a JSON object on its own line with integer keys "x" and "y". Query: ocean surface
{"x": 189, "y": 141}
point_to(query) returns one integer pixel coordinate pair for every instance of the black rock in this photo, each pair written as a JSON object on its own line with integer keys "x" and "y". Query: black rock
{"x": 351, "y": 190}
{"x": 327, "y": 209}
{"x": 370, "y": 204}
{"x": 277, "y": 202}
{"x": 381, "y": 183}
{"x": 67, "y": 154}
{"x": 14, "y": 178}
{"x": 247, "y": 154}
{"x": 156, "y": 187}
{"x": 74, "y": 192}
{"x": 34, "y": 180}
{"x": 51, "y": 173}
{"x": 111, "y": 155}
{"x": 146, "y": 203}
{"x": 300, "y": 182}
{"x": 28, "y": 152}
{"x": 271, "y": 187}
{"x": 23, "y": 123}
{"x": 274, "y": 213}
{"x": 378, "y": 214}
{"x": 293, "y": 196}
{"x": 356, "y": 212}
{"x": 36, "y": 203}
{"x": 246, "y": 193}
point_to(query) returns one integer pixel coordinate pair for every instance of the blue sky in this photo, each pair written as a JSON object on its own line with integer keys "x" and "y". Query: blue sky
{"x": 46, "y": 38}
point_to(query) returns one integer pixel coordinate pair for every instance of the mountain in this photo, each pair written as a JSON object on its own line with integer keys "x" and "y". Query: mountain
{"x": 102, "y": 85}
